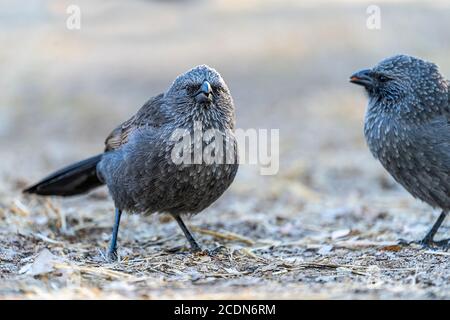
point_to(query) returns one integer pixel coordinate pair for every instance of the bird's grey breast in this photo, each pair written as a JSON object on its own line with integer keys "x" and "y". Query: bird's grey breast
{"x": 145, "y": 175}
{"x": 417, "y": 155}
{"x": 199, "y": 183}
{"x": 384, "y": 134}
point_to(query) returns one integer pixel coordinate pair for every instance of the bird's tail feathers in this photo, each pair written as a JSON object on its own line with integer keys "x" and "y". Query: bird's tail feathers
{"x": 74, "y": 179}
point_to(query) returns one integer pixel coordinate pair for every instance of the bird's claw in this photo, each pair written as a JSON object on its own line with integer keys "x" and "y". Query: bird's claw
{"x": 426, "y": 243}
{"x": 211, "y": 253}
{"x": 198, "y": 250}
{"x": 218, "y": 250}
{"x": 405, "y": 243}
{"x": 112, "y": 256}
{"x": 194, "y": 250}
{"x": 431, "y": 244}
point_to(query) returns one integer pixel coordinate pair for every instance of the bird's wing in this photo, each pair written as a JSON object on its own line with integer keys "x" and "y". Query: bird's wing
{"x": 149, "y": 115}
{"x": 448, "y": 91}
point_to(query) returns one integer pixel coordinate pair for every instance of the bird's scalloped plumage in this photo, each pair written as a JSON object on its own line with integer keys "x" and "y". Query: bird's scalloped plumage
{"x": 407, "y": 127}
{"x": 137, "y": 166}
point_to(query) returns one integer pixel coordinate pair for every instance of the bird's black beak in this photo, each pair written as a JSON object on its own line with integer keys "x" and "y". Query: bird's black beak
{"x": 362, "y": 78}
{"x": 204, "y": 94}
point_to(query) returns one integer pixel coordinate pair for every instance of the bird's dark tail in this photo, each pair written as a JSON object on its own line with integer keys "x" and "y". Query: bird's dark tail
{"x": 75, "y": 179}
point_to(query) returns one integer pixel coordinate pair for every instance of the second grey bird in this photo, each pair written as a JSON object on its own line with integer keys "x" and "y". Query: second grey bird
{"x": 407, "y": 128}
{"x": 138, "y": 164}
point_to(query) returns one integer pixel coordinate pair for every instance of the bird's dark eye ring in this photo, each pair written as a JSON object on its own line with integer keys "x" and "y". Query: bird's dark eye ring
{"x": 215, "y": 88}
{"x": 383, "y": 78}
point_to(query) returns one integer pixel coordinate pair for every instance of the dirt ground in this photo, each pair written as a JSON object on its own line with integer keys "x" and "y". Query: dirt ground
{"x": 326, "y": 226}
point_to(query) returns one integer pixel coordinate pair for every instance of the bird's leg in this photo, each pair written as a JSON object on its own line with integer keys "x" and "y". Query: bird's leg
{"x": 112, "y": 251}
{"x": 428, "y": 240}
{"x": 194, "y": 245}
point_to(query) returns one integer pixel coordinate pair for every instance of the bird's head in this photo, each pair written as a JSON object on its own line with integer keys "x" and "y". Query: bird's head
{"x": 402, "y": 78}
{"x": 200, "y": 90}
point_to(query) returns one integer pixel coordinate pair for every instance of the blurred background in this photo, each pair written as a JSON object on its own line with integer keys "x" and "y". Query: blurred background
{"x": 287, "y": 64}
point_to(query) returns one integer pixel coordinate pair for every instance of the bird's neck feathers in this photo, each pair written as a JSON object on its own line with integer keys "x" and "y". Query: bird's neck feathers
{"x": 382, "y": 127}
{"x": 416, "y": 108}
{"x": 211, "y": 117}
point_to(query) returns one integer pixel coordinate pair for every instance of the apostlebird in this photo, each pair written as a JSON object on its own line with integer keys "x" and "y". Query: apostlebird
{"x": 157, "y": 161}
{"x": 407, "y": 128}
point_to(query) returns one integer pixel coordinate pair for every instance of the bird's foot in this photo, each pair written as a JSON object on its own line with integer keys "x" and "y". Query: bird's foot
{"x": 211, "y": 252}
{"x": 426, "y": 243}
{"x": 176, "y": 249}
{"x": 431, "y": 244}
{"x": 406, "y": 243}
{"x": 192, "y": 249}
{"x": 218, "y": 250}
{"x": 198, "y": 250}
{"x": 111, "y": 256}
{"x": 195, "y": 248}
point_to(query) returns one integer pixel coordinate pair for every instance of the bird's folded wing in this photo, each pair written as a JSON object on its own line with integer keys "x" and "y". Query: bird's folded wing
{"x": 149, "y": 115}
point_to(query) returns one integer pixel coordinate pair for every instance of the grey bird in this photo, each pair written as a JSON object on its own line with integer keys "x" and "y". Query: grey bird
{"x": 138, "y": 165}
{"x": 407, "y": 128}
